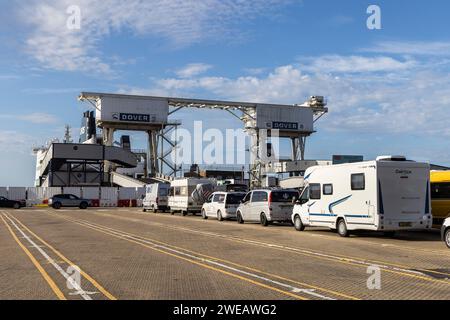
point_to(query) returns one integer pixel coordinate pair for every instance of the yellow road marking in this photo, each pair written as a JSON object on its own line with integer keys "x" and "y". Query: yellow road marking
{"x": 262, "y": 244}
{"x": 192, "y": 261}
{"x": 38, "y": 266}
{"x": 80, "y": 221}
{"x": 88, "y": 277}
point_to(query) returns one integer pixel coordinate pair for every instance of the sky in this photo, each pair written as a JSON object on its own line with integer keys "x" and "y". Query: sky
{"x": 387, "y": 89}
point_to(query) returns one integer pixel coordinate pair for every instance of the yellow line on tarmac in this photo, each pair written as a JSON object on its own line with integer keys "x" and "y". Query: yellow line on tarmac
{"x": 38, "y": 266}
{"x": 123, "y": 237}
{"x": 338, "y": 259}
{"x": 344, "y": 259}
{"x": 88, "y": 277}
{"x": 227, "y": 261}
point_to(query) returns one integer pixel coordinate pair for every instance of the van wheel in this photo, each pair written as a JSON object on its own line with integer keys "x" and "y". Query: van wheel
{"x": 219, "y": 216}
{"x": 153, "y": 209}
{"x": 83, "y": 205}
{"x": 144, "y": 210}
{"x": 263, "y": 220}
{"x": 298, "y": 224}
{"x": 57, "y": 205}
{"x": 204, "y": 216}
{"x": 239, "y": 218}
{"x": 342, "y": 228}
{"x": 184, "y": 213}
{"x": 447, "y": 237}
{"x": 172, "y": 212}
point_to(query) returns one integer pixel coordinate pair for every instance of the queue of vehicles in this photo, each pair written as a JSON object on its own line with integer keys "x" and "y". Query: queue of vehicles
{"x": 387, "y": 195}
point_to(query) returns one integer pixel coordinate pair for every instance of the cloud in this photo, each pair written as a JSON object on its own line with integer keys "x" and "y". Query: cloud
{"x": 378, "y": 95}
{"x": 193, "y": 69}
{"x": 180, "y": 22}
{"x": 36, "y": 118}
{"x": 352, "y": 64}
{"x": 11, "y": 140}
{"x": 437, "y": 48}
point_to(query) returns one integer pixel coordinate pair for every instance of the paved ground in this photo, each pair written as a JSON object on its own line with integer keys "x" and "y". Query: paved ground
{"x": 127, "y": 254}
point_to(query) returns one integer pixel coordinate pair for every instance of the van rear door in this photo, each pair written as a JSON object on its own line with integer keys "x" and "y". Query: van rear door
{"x": 403, "y": 191}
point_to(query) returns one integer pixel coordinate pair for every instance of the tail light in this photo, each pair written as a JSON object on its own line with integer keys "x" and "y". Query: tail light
{"x": 270, "y": 200}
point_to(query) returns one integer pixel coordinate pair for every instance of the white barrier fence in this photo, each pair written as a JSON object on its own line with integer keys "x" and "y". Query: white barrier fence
{"x": 100, "y": 196}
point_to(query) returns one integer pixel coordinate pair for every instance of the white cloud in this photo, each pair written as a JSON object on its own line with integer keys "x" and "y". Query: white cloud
{"x": 437, "y": 48}
{"x": 181, "y": 22}
{"x": 39, "y": 118}
{"x": 36, "y": 118}
{"x": 192, "y": 70}
{"x": 387, "y": 97}
{"x": 351, "y": 64}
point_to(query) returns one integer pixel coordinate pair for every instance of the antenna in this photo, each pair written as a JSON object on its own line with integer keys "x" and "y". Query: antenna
{"x": 67, "y": 134}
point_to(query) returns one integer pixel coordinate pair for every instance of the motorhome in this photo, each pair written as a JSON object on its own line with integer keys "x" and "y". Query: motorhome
{"x": 156, "y": 197}
{"x": 440, "y": 196}
{"x": 188, "y": 195}
{"x": 388, "y": 194}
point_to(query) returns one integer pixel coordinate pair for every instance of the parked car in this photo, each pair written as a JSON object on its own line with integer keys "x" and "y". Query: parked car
{"x": 267, "y": 206}
{"x": 68, "y": 200}
{"x": 16, "y": 204}
{"x": 446, "y": 232}
{"x": 222, "y": 205}
{"x": 156, "y": 197}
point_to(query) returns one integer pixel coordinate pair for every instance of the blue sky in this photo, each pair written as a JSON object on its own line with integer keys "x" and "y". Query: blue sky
{"x": 388, "y": 89}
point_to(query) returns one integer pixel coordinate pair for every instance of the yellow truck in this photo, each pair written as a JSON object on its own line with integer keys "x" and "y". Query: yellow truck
{"x": 440, "y": 196}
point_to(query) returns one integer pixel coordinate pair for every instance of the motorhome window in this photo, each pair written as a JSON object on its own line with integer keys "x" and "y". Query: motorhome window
{"x": 358, "y": 181}
{"x": 314, "y": 191}
{"x": 305, "y": 196}
{"x": 171, "y": 191}
{"x": 163, "y": 192}
{"x": 440, "y": 190}
{"x": 234, "y": 198}
{"x": 177, "y": 191}
{"x": 327, "y": 189}
{"x": 283, "y": 196}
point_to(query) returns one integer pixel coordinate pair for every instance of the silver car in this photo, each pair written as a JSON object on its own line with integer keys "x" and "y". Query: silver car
{"x": 267, "y": 206}
{"x": 68, "y": 200}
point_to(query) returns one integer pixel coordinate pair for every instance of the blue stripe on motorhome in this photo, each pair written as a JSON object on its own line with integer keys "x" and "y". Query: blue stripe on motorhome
{"x": 380, "y": 198}
{"x": 335, "y": 215}
{"x": 330, "y": 207}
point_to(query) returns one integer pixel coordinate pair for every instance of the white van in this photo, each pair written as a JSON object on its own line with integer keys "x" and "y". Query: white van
{"x": 156, "y": 197}
{"x": 388, "y": 194}
{"x": 446, "y": 232}
{"x": 188, "y": 194}
{"x": 222, "y": 205}
{"x": 267, "y": 206}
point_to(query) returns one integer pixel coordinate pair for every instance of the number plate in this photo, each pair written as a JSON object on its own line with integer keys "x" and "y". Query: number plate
{"x": 405, "y": 224}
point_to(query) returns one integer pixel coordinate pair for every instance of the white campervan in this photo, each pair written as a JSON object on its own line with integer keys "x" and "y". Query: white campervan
{"x": 156, "y": 197}
{"x": 388, "y": 194}
{"x": 188, "y": 194}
